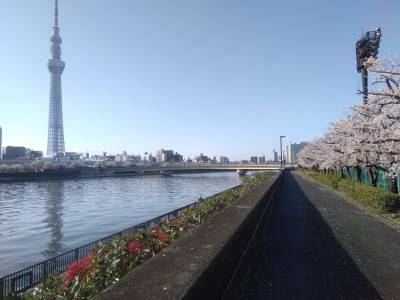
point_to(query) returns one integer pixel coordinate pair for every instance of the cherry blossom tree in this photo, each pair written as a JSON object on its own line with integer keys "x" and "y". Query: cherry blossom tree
{"x": 370, "y": 135}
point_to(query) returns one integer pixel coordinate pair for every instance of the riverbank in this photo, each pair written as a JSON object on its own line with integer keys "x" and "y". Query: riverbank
{"x": 129, "y": 251}
{"x": 42, "y": 219}
{"x": 87, "y": 173}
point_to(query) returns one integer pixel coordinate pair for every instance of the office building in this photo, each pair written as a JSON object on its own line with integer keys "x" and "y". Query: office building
{"x": 202, "y": 158}
{"x": 224, "y": 160}
{"x": 296, "y": 148}
{"x": 33, "y": 155}
{"x": 168, "y": 156}
{"x": 275, "y": 155}
{"x": 13, "y": 152}
{"x": 289, "y": 157}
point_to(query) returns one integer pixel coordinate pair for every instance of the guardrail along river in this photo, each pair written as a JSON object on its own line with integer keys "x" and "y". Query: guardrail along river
{"x": 39, "y": 220}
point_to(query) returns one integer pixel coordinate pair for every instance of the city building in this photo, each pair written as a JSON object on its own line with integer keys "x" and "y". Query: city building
{"x": 275, "y": 155}
{"x": 202, "y": 158}
{"x": 164, "y": 155}
{"x": 73, "y": 155}
{"x": 224, "y": 160}
{"x": 149, "y": 158}
{"x": 33, "y": 155}
{"x": 124, "y": 156}
{"x": 168, "y": 156}
{"x": 178, "y": 157}
{"x": 296, "y": 148}
{"x": 55, "y": 140}
{"x": 253, "y": 159}
{"x": 1, "y": 144}
{"x": 135, "y": 158}
{"x": 261, "y": 159}
{"x": 13, "y": 152}
{"x": 289, "y": 156}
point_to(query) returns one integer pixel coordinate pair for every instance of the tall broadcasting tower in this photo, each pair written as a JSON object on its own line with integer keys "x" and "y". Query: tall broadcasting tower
{"x": 55, "y": 141}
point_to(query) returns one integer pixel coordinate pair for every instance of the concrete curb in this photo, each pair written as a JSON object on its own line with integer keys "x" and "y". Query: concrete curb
{"x": 200, "y": 264}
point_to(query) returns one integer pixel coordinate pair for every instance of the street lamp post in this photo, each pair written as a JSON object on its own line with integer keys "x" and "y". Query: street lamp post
{"x": 280, "y": 139}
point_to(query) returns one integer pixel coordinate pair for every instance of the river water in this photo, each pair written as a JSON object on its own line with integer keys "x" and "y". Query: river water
{"x": 39, "y": 220}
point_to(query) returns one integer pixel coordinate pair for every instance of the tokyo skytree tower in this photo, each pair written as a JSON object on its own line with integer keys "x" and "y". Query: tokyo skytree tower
{"x": 55, "y": 140}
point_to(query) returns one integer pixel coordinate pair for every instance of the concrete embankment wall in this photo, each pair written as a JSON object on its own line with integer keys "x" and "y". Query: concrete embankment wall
{"x": 200, "y": 264}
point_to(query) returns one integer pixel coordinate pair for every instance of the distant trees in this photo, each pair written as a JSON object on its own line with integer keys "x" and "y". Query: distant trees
{"x": 370, "y": 135}
{"x": 40, "y": 166}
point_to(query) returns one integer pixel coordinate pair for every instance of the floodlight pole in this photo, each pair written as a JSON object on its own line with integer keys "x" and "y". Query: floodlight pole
{"x": 364, "y": 79}
{"x": 366, "y": 47}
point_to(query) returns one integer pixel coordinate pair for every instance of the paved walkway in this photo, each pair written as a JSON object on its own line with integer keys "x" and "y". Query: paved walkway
{"x": 319, "y": 246}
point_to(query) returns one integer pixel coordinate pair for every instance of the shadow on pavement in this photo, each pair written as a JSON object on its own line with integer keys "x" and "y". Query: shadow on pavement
{"x": 296, "y": 256}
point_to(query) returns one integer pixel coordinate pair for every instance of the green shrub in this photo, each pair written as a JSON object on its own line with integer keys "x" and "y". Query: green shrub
{"x": 335, "y": 181}
{"x": 388, "y": 204}
{"x": 375, "y": 198}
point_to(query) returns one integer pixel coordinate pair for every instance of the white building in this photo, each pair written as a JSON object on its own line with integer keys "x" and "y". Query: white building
{"x": 289, "y": 156}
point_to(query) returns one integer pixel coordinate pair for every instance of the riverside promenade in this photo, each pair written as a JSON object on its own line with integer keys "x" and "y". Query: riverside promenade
{"x": 318, "y": 245}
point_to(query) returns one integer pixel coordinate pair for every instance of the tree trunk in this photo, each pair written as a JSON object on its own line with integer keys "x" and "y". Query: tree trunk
{"x": 342, "y": 173}
{"x": 373, "y": 172}
{"x": 349, "y": 172}
{"x": 359, "y": 173}
{"x": 394, "y": 188}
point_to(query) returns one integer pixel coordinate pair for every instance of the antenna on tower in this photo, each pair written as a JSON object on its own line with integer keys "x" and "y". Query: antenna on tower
{"x": 56, "y": 14}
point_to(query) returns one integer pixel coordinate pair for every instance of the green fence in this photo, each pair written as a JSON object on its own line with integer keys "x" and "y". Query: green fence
{"x": 383, "y": 181}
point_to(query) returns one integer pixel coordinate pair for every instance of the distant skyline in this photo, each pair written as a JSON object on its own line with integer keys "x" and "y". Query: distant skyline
{"x": 218, "y": 77}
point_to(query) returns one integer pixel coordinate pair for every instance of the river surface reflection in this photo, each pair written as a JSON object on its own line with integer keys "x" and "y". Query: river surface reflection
{"x": 39, "y": 220}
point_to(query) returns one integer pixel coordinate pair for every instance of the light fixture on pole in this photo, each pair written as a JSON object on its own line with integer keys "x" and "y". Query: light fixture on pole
{"x": 367, "y": 46}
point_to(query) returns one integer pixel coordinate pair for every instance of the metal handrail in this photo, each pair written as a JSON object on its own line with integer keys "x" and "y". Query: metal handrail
{"x": 27, "y": 278}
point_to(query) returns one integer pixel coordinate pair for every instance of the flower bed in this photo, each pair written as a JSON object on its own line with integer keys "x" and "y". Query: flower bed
{"x": 89, "y": 275}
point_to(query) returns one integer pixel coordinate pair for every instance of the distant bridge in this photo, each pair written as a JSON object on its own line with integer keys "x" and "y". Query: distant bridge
{"x": 211, "y": 166}
{"x": 165, "y": 169}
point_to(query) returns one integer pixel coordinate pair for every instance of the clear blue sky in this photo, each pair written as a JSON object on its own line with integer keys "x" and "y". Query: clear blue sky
{"x": 219, "y": 77}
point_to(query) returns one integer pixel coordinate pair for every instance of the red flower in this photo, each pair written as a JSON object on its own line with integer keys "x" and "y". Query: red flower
{"x": 161, "y": 236}
{"x": 134, "y": 246}
{"x": 77, "y": 268}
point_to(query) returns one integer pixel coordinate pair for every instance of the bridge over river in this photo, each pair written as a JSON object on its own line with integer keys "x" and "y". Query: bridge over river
{"x": 166, "y": 169}
{"x": 92, "y": 170}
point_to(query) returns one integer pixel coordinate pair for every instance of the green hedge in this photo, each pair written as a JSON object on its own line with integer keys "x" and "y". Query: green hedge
{"x": 375, "y": 198}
